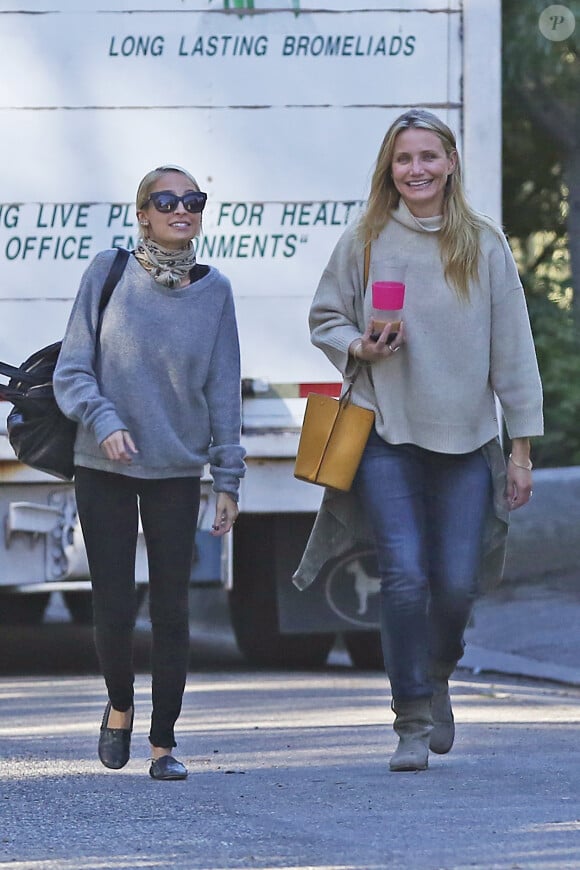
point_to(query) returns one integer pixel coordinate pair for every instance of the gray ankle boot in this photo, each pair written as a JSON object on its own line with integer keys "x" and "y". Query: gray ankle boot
{"x": 443, "y": 733}
{"x": 413, "y": 724}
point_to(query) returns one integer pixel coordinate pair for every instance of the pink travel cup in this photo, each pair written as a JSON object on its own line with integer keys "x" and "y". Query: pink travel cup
{"x": 388, "y": 300}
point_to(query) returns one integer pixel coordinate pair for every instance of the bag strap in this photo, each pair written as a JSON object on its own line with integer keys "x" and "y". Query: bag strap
{"x": 367, "y": 265}
{"x": 345, "y": 397}
{"x": 13, "y": 372}
{"x": 111, "y": 281}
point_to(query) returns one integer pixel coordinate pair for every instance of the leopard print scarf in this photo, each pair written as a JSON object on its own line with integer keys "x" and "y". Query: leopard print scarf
{"x": 167, "y": 267}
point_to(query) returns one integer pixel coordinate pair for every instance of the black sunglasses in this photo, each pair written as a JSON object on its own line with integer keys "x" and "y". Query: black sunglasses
{"x": 166, "y": 202}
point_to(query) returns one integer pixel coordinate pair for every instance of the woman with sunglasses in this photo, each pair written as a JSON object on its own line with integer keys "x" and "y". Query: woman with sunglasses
{"x": 156, "y": 397}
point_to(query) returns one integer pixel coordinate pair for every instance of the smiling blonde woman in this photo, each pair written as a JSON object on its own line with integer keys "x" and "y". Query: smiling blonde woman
{"x": 159, "y": 400}
{"x": 432, "y": 478}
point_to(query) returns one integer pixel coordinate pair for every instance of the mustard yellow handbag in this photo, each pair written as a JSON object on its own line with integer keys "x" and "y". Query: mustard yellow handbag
{"x": 333, "y": 437}
{"x": 334, "y": 434}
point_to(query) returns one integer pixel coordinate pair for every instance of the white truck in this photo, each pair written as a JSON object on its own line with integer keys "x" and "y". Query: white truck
{"x": 278, "y": 107}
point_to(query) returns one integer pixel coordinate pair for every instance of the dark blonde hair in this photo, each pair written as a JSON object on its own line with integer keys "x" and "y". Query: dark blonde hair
{"x": 148, "y": 181}
{"x": 461, "y": 227}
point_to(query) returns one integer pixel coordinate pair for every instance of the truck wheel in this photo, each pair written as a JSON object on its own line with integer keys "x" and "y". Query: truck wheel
{"x": 23, "y": 609}
{"x": 255, "y": 623}
{"x": 253, "y": 603}
{"x": 364, "y": 649}
{"x": 80, "y": 604}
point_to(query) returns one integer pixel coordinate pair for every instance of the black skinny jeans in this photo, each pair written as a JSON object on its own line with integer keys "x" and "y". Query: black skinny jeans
{"x": 109, "y": 507}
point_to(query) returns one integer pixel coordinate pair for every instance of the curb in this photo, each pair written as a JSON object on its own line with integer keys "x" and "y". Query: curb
{"x": 479, "y": 660}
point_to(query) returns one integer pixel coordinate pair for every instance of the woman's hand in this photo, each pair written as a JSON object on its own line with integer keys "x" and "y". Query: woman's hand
{"x": 365, "y": 349}
{"x": 119, "y": 447}
{"x": 225, "y": 515}
{"x": 519, "y": 474}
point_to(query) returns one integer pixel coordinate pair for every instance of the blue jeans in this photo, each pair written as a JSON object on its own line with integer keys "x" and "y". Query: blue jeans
{"x": 427, "y": 512}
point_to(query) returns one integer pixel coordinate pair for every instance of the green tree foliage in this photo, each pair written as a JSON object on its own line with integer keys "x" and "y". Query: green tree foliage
{"x": 542, "y": 130}
{"x": 541, "y": 207}
{"x": 556, "y": 341}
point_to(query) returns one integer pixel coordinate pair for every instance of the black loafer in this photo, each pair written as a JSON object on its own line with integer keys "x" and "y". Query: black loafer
{"x": 167, "y": 767}
{"x": 114, "y": 743}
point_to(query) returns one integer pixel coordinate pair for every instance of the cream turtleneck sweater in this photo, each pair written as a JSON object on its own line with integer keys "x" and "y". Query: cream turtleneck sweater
{"x": 438, "y": 391}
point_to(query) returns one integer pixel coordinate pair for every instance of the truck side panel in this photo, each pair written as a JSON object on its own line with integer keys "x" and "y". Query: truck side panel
{"x": 280, "y": 111}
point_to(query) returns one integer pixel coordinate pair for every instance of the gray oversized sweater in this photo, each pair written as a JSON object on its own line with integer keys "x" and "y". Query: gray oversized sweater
{"x": 167, "y": 369}
{"x": 438, "y": 390}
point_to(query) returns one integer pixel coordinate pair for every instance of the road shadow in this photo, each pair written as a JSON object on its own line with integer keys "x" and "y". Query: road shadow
{"x": 59, "y": 646}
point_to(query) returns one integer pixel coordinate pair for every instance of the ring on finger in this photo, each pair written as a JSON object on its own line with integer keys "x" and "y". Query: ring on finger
{"x": 393, "y": 349}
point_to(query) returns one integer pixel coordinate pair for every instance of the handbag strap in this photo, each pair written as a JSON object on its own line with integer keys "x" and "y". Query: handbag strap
{"x": 13, "y": 372}
{"x": 111, "y": 281}
{"x": 345, "y": 397}
{"x": 367, "y": 264}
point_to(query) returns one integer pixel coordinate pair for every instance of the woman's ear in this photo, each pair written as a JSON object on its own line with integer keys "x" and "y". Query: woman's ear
{"x": 142, "y": 218}
{"x": 452, "y": 162}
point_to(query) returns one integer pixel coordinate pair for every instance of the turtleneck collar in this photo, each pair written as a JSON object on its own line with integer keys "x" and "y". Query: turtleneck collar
{"x": 420, "y": 225}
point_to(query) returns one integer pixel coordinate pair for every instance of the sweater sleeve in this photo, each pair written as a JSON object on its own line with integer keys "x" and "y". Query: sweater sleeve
{"x": 333, "y": 319}
{"x": 513, "y": 368}
{"x": 76, "y": 387}
{"x": 223, "y": 396}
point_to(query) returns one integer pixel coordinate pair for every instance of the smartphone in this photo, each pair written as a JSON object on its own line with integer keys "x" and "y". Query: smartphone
{"x": 390, "y": 337}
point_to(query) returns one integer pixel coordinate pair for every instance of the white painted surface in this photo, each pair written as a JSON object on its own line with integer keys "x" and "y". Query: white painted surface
{"x": 283, "y": 139}
{"x": 282, "y": 133}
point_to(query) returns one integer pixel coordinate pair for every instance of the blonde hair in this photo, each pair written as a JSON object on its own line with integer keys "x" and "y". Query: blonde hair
{"x": 148, "y": 181}
{"x": 459, "y": 235}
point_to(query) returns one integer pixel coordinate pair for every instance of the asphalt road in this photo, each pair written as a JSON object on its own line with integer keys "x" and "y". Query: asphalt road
{"x": 287, "y": 769}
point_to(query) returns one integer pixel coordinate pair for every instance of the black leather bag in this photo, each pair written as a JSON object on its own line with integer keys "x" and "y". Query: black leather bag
{"x": 40, "y": 435}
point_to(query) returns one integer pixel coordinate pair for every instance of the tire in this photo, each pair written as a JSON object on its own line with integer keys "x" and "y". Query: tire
{"x": 80, "y": 604}
{"x": 253, "y": 603}
{"x": 364, "y": 649}
{"x": 23, "y": 609}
